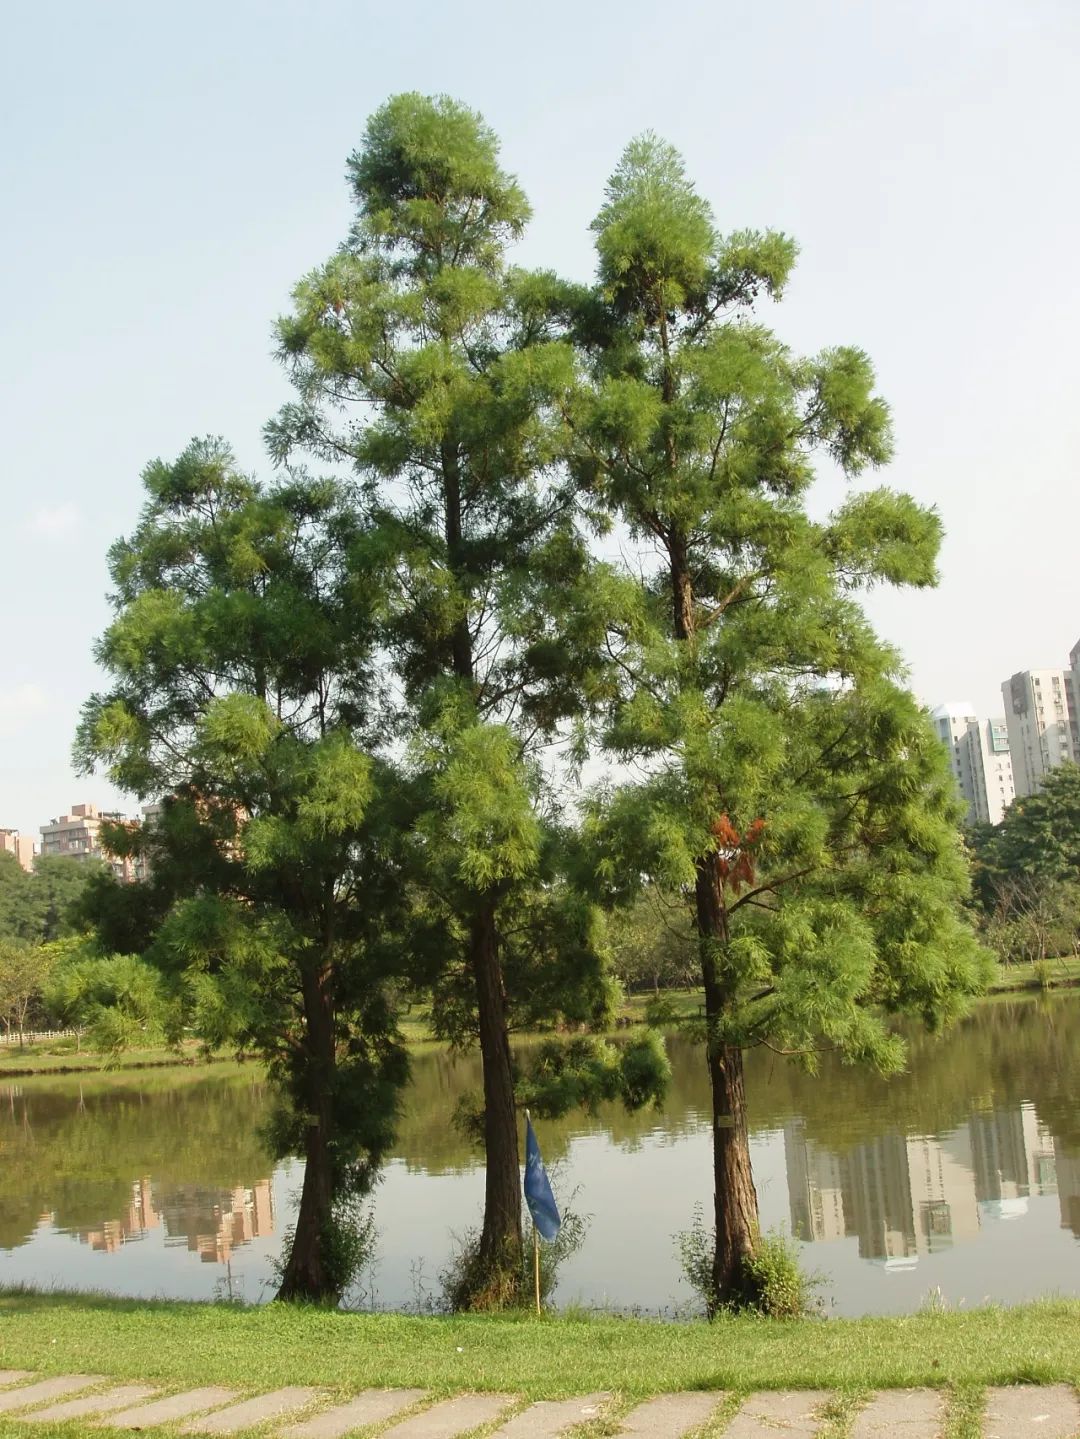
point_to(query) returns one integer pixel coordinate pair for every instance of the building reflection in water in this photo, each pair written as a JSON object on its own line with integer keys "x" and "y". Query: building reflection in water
{"x": 211, "y": 1222}
{"x": 903, "y": 1196}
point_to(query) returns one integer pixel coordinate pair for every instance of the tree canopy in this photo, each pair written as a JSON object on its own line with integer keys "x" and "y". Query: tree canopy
{"x": 349, "y": 690}
{"x": 244, "y": 693}
{"x": 453, "y": 359}
{"x": 793, "y": 789}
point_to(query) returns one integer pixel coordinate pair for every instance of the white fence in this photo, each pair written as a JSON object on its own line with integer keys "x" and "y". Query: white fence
{"x": 33, "y": 1036}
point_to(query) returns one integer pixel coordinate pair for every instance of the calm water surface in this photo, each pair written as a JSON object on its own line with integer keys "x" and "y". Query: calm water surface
{"x": 961, "y": 1176}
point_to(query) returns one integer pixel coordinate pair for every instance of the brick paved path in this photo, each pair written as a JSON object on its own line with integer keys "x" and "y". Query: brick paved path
{"x": 1051, "y": 1412}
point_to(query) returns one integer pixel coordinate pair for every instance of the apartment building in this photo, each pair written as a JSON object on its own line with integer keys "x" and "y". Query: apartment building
{"x": 979, "y": 758}
{"x": 1041, "y": 714}
{"x": 990, "y": 761}
{"x": 78, "y": 836}
{"x": 20, "y": 845}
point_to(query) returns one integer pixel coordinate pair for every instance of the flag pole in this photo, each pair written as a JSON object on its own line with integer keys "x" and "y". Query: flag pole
{"x": 536, "y": 1251}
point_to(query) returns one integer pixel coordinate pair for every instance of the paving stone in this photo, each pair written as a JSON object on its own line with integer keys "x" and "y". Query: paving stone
{"x": 124, "y": 1394}
{"x": 452, "y": 1417}
{"x": 371, "y": 1407}
{"x": 550, "y": 1417}
{"x": 792, "y": 1412}
{"x": 277, "y": 1405}
{"x": 45, "y": 1390}
{"x": 901, "y": 1414}
{"x": 1050, "y": 1411}
{"x": 173, "y": 1406}
{"x": 12, "y": 1376}
{"x": 670, "y": 1415}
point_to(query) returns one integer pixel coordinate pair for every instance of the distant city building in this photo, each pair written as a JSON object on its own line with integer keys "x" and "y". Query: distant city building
{"x": 20, "y": 845}
{"x": 78, "y": 836}
{"x": 1041, "y": 714}
{"x": 980, "y": 760}
{"x": 990, "y": 760}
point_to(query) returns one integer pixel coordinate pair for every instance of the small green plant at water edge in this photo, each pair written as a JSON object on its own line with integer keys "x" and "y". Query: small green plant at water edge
{"x": 1044, "y": 973}
{"x": 775, "y": 1285}
{"x": 348, "y": 1245}
{"x": 786, "y": 1290}
{"x": 458, "y": 1279}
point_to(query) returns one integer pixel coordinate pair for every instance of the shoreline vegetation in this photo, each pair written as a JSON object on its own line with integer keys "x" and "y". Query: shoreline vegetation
{"x": 60, "y": 1056}
{"x": 557, "y": 1356}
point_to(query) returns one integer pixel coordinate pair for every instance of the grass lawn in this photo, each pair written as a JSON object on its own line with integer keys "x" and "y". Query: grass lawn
{"x": 261, "y": 1348}
{"x": 1060, "y": 973}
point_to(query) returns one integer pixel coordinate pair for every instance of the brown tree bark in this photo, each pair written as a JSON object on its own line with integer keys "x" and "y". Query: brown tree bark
{"x": 735, "y": 1206}
{"x": 498, "y": 1261}
{"x": 307, "y": 1274}
{"x": 495, "y": 1273}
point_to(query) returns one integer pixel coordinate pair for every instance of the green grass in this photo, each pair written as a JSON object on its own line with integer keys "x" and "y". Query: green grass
{"x": 1060, "y": 973}
{"x": 61, "y": 1057}
{"x": 260, "y": 1348}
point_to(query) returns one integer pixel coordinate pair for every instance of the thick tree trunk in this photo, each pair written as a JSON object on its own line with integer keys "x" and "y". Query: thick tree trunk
{"x": 307, "y": 1274}
{"x": 495, "y": 1272}
{"x": 498, "y": 1261}
{"x": 735, "y": 1206}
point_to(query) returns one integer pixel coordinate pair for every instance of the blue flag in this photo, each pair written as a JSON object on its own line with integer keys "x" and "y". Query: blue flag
{"x": 538, "y": 1195}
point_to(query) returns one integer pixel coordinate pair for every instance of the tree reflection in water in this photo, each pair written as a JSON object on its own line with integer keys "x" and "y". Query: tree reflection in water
{"x": 983, "y": 1123}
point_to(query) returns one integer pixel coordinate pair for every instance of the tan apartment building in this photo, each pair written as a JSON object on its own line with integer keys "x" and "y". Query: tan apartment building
{"x": 78, "y": 836}
{"x": 20, "y": 845}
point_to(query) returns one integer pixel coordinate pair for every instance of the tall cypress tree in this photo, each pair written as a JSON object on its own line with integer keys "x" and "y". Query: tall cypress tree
{"x": 427, "y": 364}
{"x": 243, "y": 691}
{"x": 794, "y": 791}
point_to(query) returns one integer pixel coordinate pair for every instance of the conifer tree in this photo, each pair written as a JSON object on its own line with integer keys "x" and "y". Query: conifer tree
{"x": 243, "y": 692}
{"x": 793, "y": 789}
{"x": 426, "y": 363}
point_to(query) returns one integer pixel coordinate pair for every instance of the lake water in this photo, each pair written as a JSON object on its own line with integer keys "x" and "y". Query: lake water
{"x": 960, "y": 1178}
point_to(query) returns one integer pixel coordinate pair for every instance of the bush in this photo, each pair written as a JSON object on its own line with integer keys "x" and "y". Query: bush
{"x": 463, "y": 1286}
{"x": 774, "y": 1283}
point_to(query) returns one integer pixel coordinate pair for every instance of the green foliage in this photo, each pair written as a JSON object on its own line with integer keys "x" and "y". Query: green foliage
{"x": 1039, "y": 837}
{"x": 242, "y": 660}
{"x": 651, "y": 941}
{"x": 24, "y": 972}
{"x": 347, "y": 1242}
{"x": 792, "y": 791}
{"x": 422, "y": 358}
{"x": 42, "y": 906}
{"x": 465, "y": 1271}
{"x": 773, "y": 1282}
{"x": 120, "y": 999}
{"x": 587, "y": 1071}
{"x": 784, "y": 1290}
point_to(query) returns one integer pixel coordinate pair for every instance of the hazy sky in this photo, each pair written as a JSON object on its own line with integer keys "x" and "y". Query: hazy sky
{"x": 167, "y": 174}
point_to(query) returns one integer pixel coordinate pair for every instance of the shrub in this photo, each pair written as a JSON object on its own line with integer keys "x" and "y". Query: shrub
{"x": 774, "y": 1283}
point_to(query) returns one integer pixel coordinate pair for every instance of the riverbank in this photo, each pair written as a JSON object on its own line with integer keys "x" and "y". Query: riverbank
{"x": 553, "y": 1357}
{"x": 669, "y": 1006}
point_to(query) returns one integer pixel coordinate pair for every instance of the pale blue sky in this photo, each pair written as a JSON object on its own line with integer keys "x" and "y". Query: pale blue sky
{"x": 167, "y": 173}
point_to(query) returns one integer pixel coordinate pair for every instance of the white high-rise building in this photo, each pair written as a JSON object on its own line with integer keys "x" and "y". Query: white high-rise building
{"x": 1041, "y": 714}
{"x": 991, "y": 764}
{"x": 979, "y": 758}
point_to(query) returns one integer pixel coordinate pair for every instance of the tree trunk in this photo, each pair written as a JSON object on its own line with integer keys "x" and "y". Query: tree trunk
{"x": 308, "y": 1276}
{"x": 735, "y": 1204}
{"x": 498, "y": 1261}
{"x": 493, "y": 1276}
